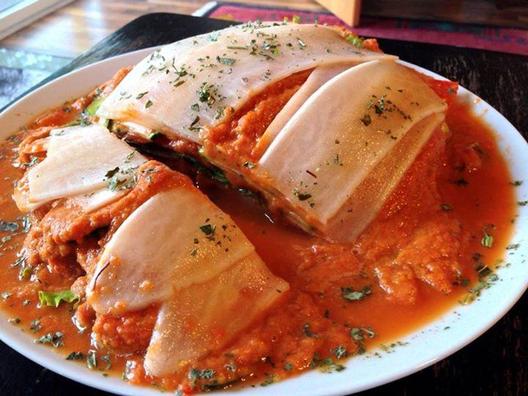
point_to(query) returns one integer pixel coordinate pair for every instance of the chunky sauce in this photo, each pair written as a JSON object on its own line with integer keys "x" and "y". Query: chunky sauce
{"x": 318, "y": 324}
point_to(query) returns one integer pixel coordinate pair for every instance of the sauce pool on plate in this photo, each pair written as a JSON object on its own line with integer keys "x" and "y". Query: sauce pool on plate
{"x": 337, "y": 306}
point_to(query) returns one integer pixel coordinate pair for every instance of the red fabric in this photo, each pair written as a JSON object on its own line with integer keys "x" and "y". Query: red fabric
{"x": 510, "y": 40}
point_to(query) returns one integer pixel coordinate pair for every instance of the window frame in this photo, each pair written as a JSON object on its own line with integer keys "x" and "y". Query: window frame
{"x": 26, "y": 12}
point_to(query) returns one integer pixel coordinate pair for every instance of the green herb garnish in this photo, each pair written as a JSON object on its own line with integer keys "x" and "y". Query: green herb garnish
{"x": 91, "y": 359}
{"x": 366, "y": 120}
{"x": 54, "y": 339}
{"x": 487, "y": 240}
{"x": 226, "y": 61}
{"x": 35, "y": 325}
{"x": 303, "y": 196}
{"x": 325, "y": 365}
{"x": 8, "y": 226}
{"x": 75, "y": 356}
{"x": 53, "y": 299}
{"x": 356, "y": 41}
{"x": 340, "y": 352}
{"x": 349, "y": 294}
{"x": 208, "y": 229}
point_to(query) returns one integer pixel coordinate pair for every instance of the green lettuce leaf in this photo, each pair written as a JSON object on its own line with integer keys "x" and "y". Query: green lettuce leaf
{"x": 53, "y": 299}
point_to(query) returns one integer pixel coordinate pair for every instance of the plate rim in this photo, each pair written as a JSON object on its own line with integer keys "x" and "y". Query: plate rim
{"x": 81, "y": 374}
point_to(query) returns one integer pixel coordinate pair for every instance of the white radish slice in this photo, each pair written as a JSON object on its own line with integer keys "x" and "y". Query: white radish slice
{"x": 316, "y": 79}
{"x": 369, "y": 197}
{"x": 205, "y": 317}
{"x": 331, "y": 145}
{"x": 175, "y": 239}
{"x": 77, "y": 161}
{"x": 21, "y": 196}
{"x": 183, "y": 87}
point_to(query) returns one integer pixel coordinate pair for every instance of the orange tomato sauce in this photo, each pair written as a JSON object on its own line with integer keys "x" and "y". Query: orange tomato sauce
{"x": 314, "y": 322}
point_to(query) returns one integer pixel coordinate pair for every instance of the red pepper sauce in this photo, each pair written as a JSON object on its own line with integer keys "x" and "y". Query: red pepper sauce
{"x": 309, "y": 327}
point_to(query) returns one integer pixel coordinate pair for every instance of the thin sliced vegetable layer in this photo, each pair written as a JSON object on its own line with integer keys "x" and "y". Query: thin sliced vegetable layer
{"x": 205, "y": 317}
{"x": 317, "y": 78}
{"x": 179, "y": 250}
{"x": 82, "y": 160}
{"x": 355, "y": 107}
{"x": 194, "y": 83}
{"x": 355, "y": 121}
{"x": 175, "y": 239}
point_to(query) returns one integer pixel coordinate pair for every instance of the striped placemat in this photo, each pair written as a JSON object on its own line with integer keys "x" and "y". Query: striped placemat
{"x": 510, "y": 40}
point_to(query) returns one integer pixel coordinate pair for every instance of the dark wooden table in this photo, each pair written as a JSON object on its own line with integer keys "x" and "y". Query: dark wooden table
{"x": 496, "y": 363}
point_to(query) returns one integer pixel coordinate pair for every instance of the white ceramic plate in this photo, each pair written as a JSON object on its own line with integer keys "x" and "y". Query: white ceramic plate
{"x": 425, "y": 347}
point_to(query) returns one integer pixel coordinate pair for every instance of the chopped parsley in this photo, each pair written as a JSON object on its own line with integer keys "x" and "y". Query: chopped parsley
{"x": 226, "y": 61}
{"x": 194, "y": 125}
{"x": 148, "y": 103}
{"x": 195, "y": 374}
{"x": 4, "y": 240}
{"x": 390, "y": 348}
{"x": 26, "y": 224}
{"x": 366, "y": 120}
{"x": 237, "y": 47}
{"x": 359, "y": 334}
{"x": 54, "y": 339}
{"x": 130, "y": 156}
{"x": 35, "y": 325}
{"x": 208, "y": 229}
{"x": 379, "y": 105}
{"x": 25, "y": 271}
{"x": 487, "y": 240}
{"x": 325, "y": 365}
{"x": 118, "y": 179}
{"x": 486, "y": 279}
{"x": 206, "y": 94}
{"x": 91, "y": 359}
{"x": 302, "y": 44}
{"x": 270, "y": 379}
{"x": 8, "y": 226}
{"x": 303, "y": 196}
{"x": 350, "y": 294}
{"x": 108, "y": 362}
{"x": 340, "y": 352}
{"x": 75, "y": 356}
{"x": 288, "y": 366}
{"x": 356, "y": 41}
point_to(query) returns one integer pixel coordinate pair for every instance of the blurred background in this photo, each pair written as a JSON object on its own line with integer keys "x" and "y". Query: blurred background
{"x": 38, "y": 37}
